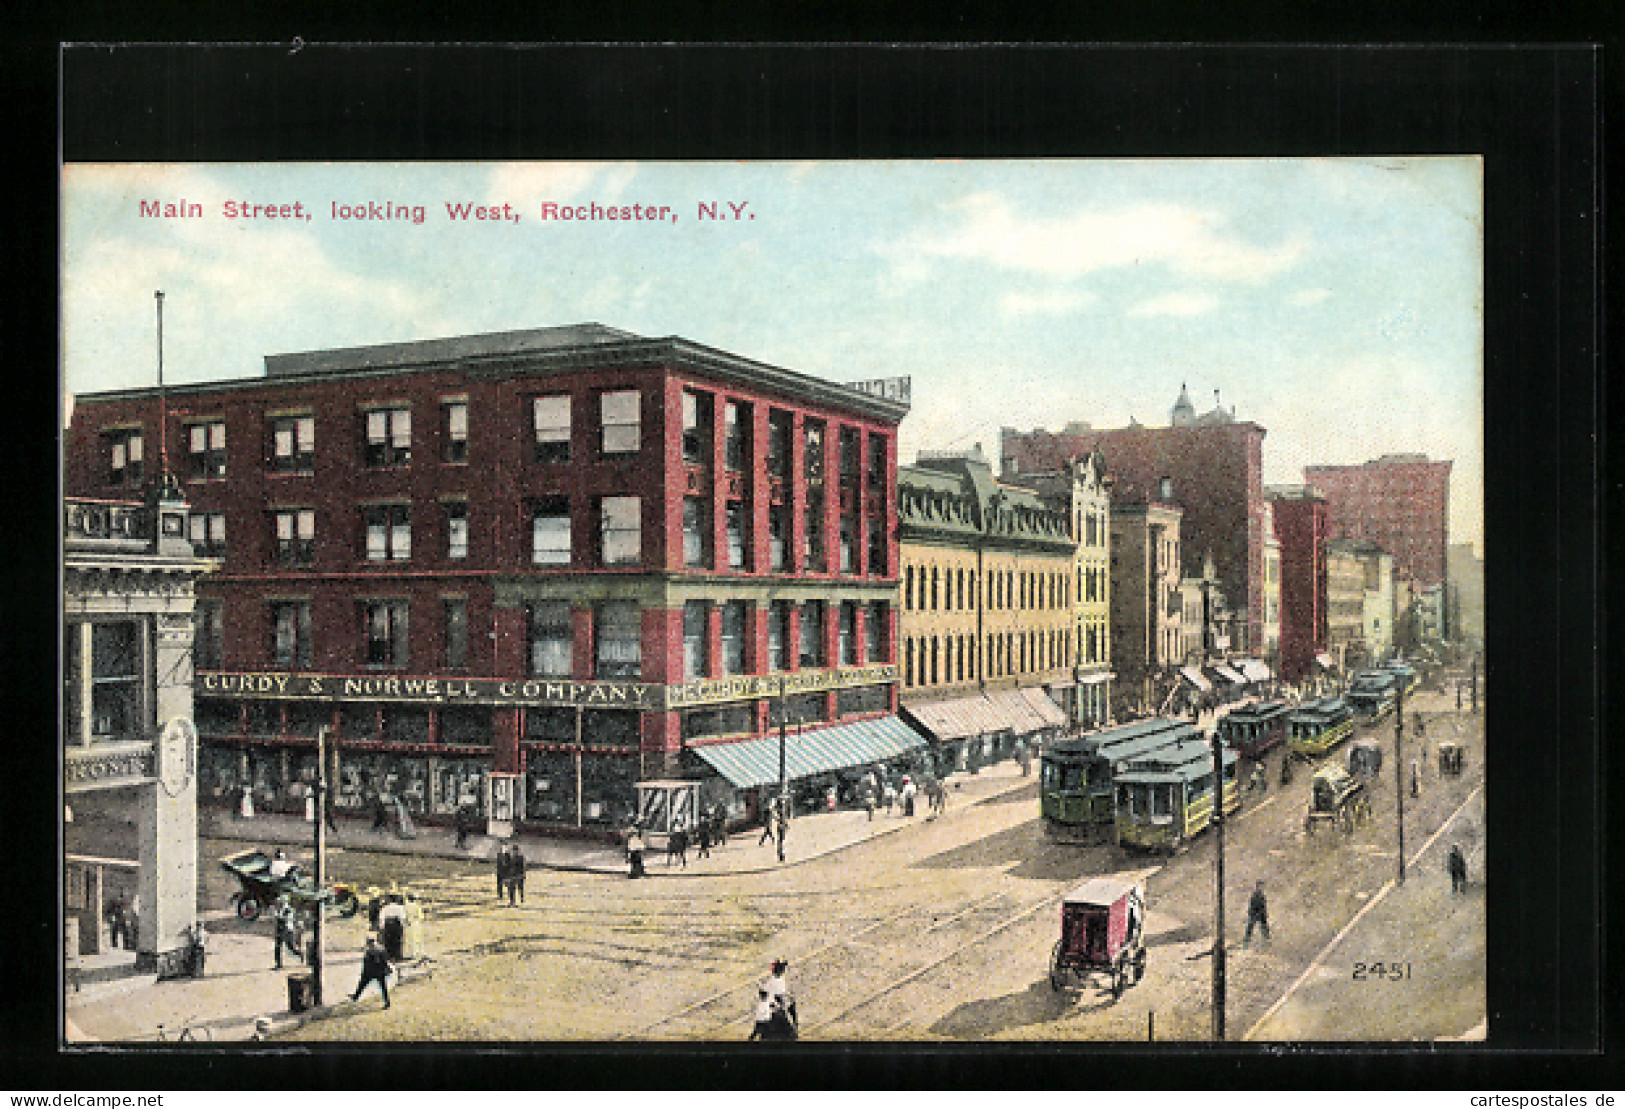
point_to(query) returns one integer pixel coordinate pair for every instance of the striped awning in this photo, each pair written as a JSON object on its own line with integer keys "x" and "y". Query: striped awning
{"x": 1195, "y": 677}
{"x": 1023, "y": 718}
{"x": 748, "y": 763}
{"x": 960, "y": 718}
{"x": 1229, "y": 675}
{"x": 1253, "y": 670}
{"x": 1047, "y": 710}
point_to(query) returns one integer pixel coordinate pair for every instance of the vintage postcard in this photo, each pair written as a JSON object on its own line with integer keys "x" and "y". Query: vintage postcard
{"x": 918, "y": 601}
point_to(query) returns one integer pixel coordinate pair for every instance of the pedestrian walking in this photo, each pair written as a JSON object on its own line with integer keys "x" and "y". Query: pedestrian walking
{"x": 1458, "y": 869}
{"x": 1286, "y": 769}
{"x": 1416, "y": 779}
{"x": 768, "y": 812}
{"x": 1258, "y": 914}
{"x": 1255, "y": 783}
{"x": 703, "y": 838}
{"x": 392, "y": 928}
{"x": 516, "y": 874}
{"x": 380, "y": 813}
{"x": 869, "y": 800}
{"x": 782, "y": 828}
{"x": 284, "y": 930}
{"x": 374, "y": 968}
{"x": 634, "y": 853}
{"x": 909, "y": 792}
{"x": 502, "y": 872}
{"x": 117, "y": 924}
{"x": 888, "y": 795}
{"x": 462, "y": 827}
{"x": 778, "y": 989}
{"x": 1025, "y": 758}
{"x": 763, "y": 1017}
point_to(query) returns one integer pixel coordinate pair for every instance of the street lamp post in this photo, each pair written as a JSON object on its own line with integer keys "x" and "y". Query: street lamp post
{"x": 321, "y": 854}
{"x": 1399, "y": 775}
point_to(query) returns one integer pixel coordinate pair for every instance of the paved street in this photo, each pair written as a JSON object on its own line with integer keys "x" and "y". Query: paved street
{"x": 939, "y": 929}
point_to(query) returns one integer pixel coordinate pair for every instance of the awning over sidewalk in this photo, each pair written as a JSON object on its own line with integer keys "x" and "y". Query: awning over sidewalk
{"x": 960, "y": 718}
{"x": 1325, "y": 661}
{"x": 1253, "y": 670}
{"x": 1228, "y": 675}
{"x": 749, "y": 763}
{"x": 1194, "y": 676}
{"x": 1046, "y": 709}
{"x": 1023, "y": 718}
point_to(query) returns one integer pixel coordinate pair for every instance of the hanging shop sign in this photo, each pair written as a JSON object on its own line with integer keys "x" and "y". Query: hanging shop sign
{"x": 745, "y": 687}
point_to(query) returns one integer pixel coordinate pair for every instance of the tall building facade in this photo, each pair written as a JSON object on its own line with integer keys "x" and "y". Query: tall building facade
{"x": 1209, "y": 466}
{"x": 1299, "y": 515}
{"x": 129, "y": 750}
{"x": 497, "y": 565}
{"x": 986, "y": 620}
{"x": 1345, "y": 607}
{"x": 1400, "y": 502}
{"x": 1466, "y": 594}
{"x": 1147, "y": 609}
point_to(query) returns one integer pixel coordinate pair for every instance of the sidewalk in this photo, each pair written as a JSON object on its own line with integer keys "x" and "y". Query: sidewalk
{"x": 241, "y": 987}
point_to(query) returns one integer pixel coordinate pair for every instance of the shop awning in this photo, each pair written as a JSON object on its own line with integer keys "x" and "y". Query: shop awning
{"x": 1013, "y": 706}
{"x": 1047, "y": 710}
{"x": 748, "y": 763}
{"x": 1194, "y": 676}
{"x": 1254, "y": 670}
{"x": 1325, "y": 661}
{"x": 1229, "y": 675}
{"x": 960, "y": 718}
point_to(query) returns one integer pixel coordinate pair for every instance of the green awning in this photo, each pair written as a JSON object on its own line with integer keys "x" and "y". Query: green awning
{"x": 749, "y": 763}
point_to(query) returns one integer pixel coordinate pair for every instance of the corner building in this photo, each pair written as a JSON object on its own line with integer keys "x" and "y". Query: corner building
{"x": 566, "y": 554}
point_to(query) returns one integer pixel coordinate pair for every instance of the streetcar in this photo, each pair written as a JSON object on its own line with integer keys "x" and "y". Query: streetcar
{"x": 1404, "y": 673}
{"x": 1165, "y": 799}
{"x": 1315, "y": 727}
{"x": 1075, "y": 775}
{"x": 1251, "y": 730}
{"x": 1372, "y": 694}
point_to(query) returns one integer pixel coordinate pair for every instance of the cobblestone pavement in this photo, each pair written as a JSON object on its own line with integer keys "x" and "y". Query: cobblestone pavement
{"x": 936, "y": 930}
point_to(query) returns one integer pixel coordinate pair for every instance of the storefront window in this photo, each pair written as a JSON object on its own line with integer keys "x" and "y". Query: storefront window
{"x": 465, "y": 725}
{"x": 115, "y": 659}
{"x": 607, "y": 793}
{"x": 864, "y": 699}
{"x": 723, "y": 720}
{"x": 264, "y": 718}
{"x": 403, "y": 724}
{"x": 620, "y": 641}
{"x": 359, "y": 720}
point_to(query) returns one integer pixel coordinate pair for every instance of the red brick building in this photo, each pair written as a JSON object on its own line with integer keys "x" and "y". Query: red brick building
{"x": 491, "y": 553}
{"x": 1211, "y": 469}
{"x": 1300, "y": 527}
{"x": 1400, "y": 502}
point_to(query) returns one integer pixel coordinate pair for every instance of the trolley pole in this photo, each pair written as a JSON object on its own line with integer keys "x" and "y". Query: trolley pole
{"x": 1399, "y": 775}
{"x": 321, "y": 853}
{"x": 1218, "y": 890}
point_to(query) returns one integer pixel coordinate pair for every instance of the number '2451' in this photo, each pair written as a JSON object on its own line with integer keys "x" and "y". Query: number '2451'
{"x": 1371, "y": 972}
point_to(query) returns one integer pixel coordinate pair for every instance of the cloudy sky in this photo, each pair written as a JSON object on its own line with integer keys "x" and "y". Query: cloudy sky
{"x": 1338, "y": 303}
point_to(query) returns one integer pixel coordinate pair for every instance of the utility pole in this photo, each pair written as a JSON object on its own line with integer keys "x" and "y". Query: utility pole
{"x": 1218, "y": 890}
{"x": 1474, "y": 679}
{"x": 321, "y": 855}
{"x": 1399, "y": 775}
{"x": 578, "y": 766}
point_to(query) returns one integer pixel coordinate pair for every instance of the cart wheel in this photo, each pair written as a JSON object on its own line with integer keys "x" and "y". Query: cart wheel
{"x": 1119, "y": 981}
{"x": 248, "y": 908}
{"x": 1139, "y": 965}
{"x": 349, "y": 906}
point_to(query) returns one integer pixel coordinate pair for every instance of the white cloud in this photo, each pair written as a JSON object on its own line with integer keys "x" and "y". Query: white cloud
{"x": 1175, "y": 304}
{"x": 1059, "y": 302}
{"x": 1188, "y": 241}
{"x": 1307, "y": 298}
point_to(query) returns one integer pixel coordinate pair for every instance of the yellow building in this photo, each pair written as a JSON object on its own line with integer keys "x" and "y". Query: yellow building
{"x": 986, "y": 615}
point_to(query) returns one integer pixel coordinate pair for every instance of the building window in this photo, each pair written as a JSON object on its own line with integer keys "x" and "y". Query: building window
{"x": 849, "y": 543}
{"x": 124, "y": 450}
{"x": 621, "y": 415}
{"x": 386, "y": 633}
{"x": 847, "y": 634}
{"x": 208, "y": 635}
{"x": 877, "y": 547}
{"x": 296, "y": 537}
{"x": 736, "y": 436}
{"x": 696, "y": 532}
{"x": 456, "y": 530}
{"x": 550, "y": 419}
{"x": 115, "y": 676}
{"x": 389, "y": 437}
{"x": 812, "y": 462}
{"x": 875, "y": 627}
{"x": 620, "y": 530}
{"x": 293, "y": 444}
{"x": 778, "y": 537}
{"x": 908, "y": 662}
{"x": 207, "y": 445}
{"x": 620, "y": 641}
{"x": 456, "y": 614}
{"x": 812, "y": 635}
{"x": 851, "y": 463}
{"x": 454, "y": 431}
{"x": 778, "y": 635}
{"x": 551, "y": 639}
{"x": 550, "y": 532}
{"x": 389, "y": 532}
{"x": 936, "y": 592}
{"x": 207, "y": 531}
{"x": 778, "y": 445}
{"x": 696, "y": 639}
{"x": 697, "y": 428}
{"x": 738, "y": 537}
{"x": 812, "y": 534}
{"x": 735, "y": 621}
{"x": 290, "y": 635}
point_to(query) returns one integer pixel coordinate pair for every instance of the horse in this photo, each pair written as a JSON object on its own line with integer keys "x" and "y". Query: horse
{"x": 935, "y": 795}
